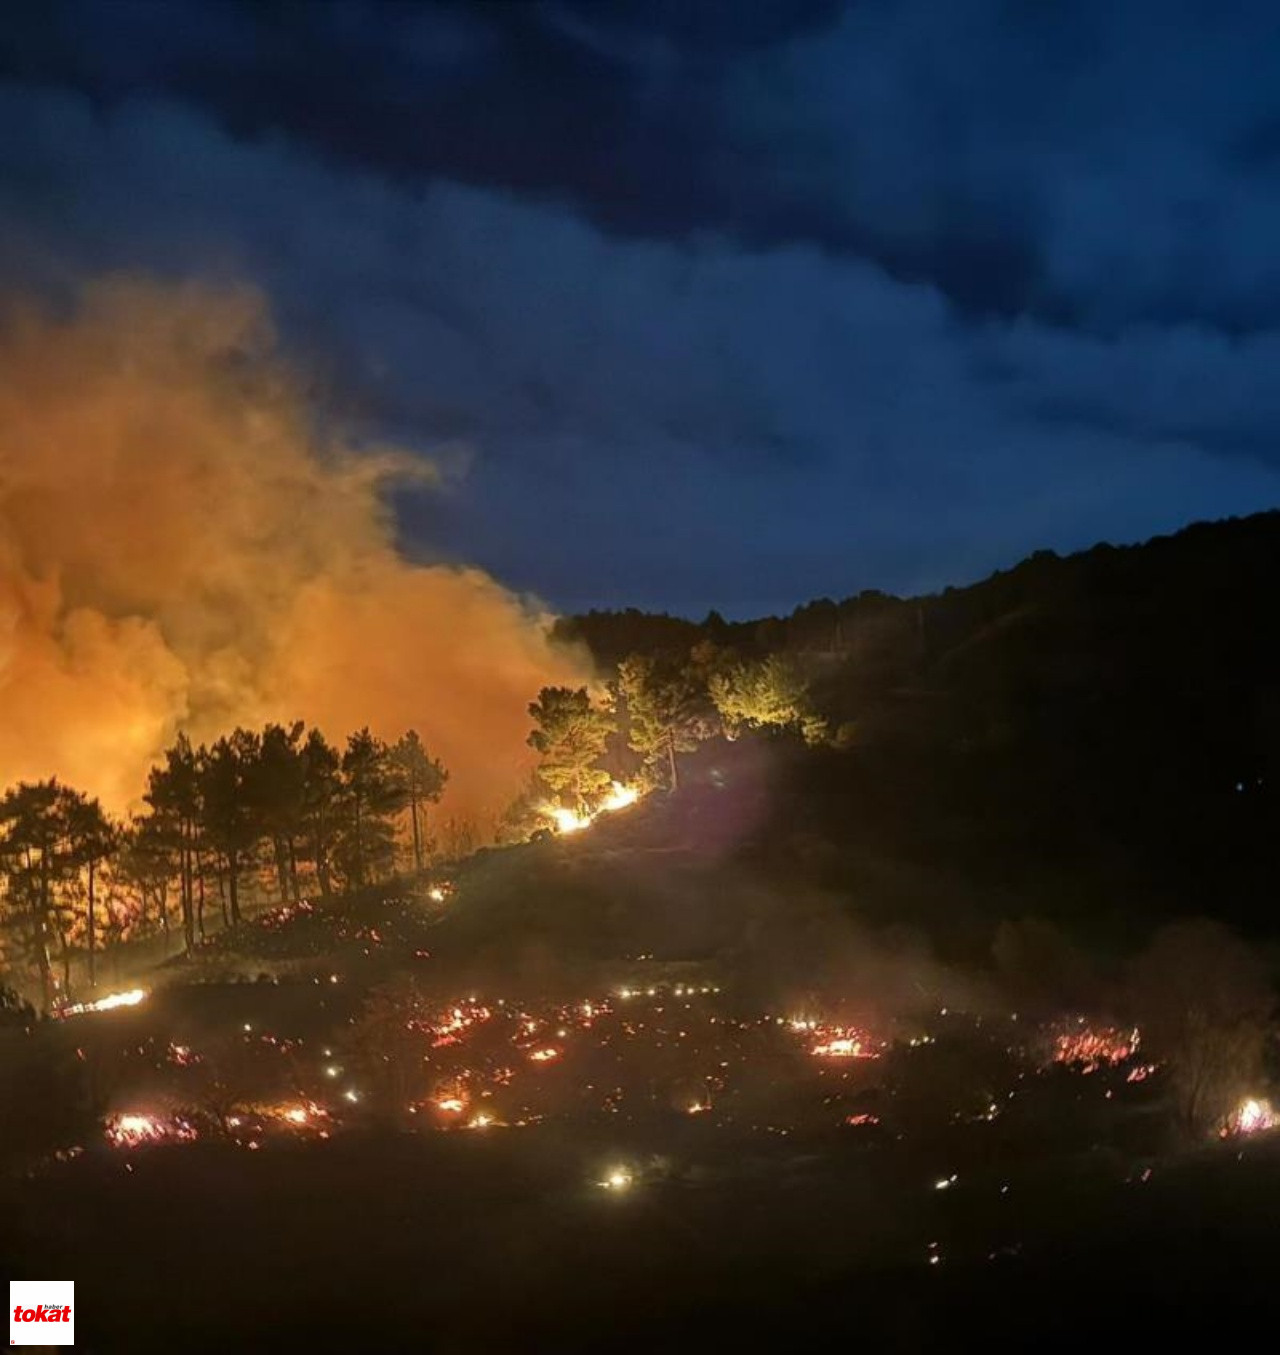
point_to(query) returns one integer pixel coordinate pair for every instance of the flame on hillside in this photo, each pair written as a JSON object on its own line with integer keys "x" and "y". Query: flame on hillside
{"x": 569, "y": 821}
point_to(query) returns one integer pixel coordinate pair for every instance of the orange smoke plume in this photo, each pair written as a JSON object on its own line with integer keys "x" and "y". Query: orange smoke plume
{"x": 182, "y": 549}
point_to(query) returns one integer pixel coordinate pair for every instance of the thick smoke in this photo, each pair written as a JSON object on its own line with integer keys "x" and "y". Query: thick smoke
{"x": 182, "y": 549}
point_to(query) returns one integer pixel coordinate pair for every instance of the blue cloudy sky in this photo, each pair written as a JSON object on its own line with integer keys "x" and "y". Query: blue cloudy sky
{"x": 705, "y": 303}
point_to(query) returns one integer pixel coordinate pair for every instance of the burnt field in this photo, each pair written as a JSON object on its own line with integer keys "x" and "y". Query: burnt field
{"x": 320, "y": 1135}
{"x": 499, "y": 1242}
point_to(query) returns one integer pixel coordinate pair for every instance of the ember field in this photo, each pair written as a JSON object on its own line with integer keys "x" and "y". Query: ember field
{"x": 354, "y": 1146}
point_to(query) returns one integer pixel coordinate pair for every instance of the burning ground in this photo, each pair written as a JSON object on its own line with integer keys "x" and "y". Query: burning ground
{"x": 350, "y": 1092}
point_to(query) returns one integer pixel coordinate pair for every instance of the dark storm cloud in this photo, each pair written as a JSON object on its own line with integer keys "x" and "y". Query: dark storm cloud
{"x": 708, "y": 309}
{"x": 1094, "y": 163}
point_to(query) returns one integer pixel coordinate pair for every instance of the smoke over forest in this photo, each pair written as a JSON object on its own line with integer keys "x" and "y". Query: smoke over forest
{"x": 182, "y": 548}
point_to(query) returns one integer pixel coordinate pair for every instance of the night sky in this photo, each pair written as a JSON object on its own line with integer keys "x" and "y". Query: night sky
{"x": 708, "y": 303}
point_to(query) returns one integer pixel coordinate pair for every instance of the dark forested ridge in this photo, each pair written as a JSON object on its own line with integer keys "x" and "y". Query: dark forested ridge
{"x": 1097, "y": 733}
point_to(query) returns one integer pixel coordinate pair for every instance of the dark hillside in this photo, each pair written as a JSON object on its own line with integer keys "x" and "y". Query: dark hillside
{"x": 1096, "y": 734}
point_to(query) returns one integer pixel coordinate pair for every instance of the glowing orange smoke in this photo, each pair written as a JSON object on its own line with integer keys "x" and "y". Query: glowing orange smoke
{"x": 182, "y": 548}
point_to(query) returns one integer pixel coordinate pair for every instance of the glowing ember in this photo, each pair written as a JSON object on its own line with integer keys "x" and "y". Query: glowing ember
{"x": 133, "y": 1129}
{"x": 129, "y": 1130}
{"x": 837, "y": 1042}
{"x": 544, "y": 1055}
{"x": 1089, "y": 1049}
{"x": 1252, "y": 1116}
{"x": 617, "y": 1179}
{"x": 131, "y": 998}
{"x": 863, "y": 1119}
{"x": 453, "y": 1105}
{"x": 847, "y": 1047}
{"x": 480, "y": 1121}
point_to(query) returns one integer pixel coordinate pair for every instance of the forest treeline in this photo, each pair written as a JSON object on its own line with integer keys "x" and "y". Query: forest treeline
{"x": 1098, "y": 727}
{"x": 281, "y": 805}
{"x": 1102, "y": 729}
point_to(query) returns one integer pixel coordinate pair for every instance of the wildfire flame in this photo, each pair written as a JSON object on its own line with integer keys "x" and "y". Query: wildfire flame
{"x": 1252, "y": 1116}
{"x": 132, "y": 1129}
{"x": 1089, "y": 1048}
{"x": 619, "y": 797}
{"x": 569, "y": 821}
{"x": 131, "y": 998}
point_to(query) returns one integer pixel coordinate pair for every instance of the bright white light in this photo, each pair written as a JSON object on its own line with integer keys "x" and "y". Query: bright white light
{"x": 131, "y": 998}
{"x": 1254, "y": 1115}
{"x": 619, "y": 797}
{"x": 567, "y": 821}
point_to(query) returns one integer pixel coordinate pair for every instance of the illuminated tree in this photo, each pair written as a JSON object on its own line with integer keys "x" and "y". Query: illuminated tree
{"x": 373, "y": 794}
{"x": 278, "y": 785}
{"x": 225, "y": 773}
{"x": 145, "y": 863}
{"x": 424, "y": 780}
{"x": 174, "y": 797}
{"x": 321, "y": 804}
{"x": 770, "y": 693}
{"x": 666, "y": 710}
{"x": 92, "y": 838}
{"x": 570, "y": 737}
{"x": 37, "y": 860}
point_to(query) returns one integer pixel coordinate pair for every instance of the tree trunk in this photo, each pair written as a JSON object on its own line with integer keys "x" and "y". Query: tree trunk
{"x": 200, "y": 902}
{"x": 322, "y": 866}
{"x": 417, "y": 834}
{"x": 42, "y": 960}
{"x": 282, "y": 868}
{"x": 359, "y": 861}
{"x": 93, "y": 976}
{"x": 66, "y": 964}
{"x": 233, "y": 886}
{"x": 293, "y": 869}
{"x": 671, "y": 759}
{"x": 42, "y": 932}
{"x": 188, "y": 894}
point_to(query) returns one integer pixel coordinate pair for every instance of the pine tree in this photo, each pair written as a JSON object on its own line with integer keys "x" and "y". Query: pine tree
{"x": 424, "y": 780}
{"x": 570, "y": 737}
